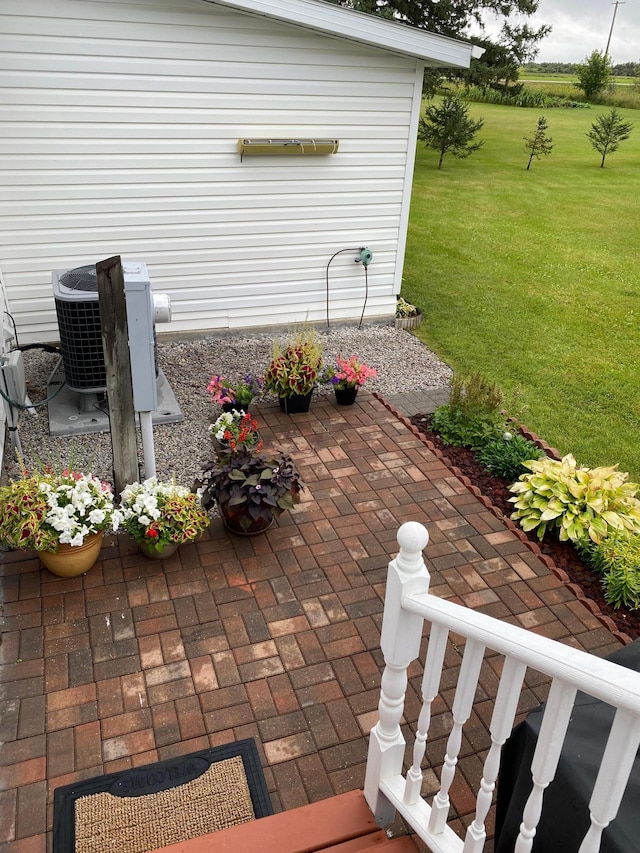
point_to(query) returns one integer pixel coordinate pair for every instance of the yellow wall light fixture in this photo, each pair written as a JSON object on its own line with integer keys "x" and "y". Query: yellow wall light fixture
{"x": 286, "y": 147}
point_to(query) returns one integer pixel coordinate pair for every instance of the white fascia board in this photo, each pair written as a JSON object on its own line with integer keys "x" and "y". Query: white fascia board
{"x": 377, "y": 32}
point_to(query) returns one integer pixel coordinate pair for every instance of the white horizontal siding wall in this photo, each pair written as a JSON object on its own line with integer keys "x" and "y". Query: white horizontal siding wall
{"x": 6, "y": 339}
{"x": 119, "y": 124}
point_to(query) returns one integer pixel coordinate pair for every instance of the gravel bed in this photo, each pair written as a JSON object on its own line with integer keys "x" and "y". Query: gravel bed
{"x": 404, "y": 364}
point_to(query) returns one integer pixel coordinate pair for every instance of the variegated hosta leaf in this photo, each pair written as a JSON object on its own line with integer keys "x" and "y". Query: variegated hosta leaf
{"x": 578, "y": 503}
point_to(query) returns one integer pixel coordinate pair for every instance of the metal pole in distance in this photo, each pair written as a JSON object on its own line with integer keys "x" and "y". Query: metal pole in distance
{"x": 615, "y": 10}
{"x": 115, "y": 342}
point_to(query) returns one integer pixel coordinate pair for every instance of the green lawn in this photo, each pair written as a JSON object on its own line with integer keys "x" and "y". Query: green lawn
{"x": 532, "y": 276}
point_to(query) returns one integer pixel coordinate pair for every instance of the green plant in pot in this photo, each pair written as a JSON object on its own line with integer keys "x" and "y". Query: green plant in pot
{"x": 408, "y": 316}
{"x": 405, "y": 309}
{"x": 251, "y": 488}
{"x": 235, "y": 430}
{"x": 235, "y": 395}
{"x": 294, "y": 370}
{"x": 347, "y": 377}
{"x": 161, "y": 516}
{"x": 62, "y": 516}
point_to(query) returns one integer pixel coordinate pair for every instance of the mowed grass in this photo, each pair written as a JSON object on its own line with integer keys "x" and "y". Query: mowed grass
{"x": 532, "y": 277}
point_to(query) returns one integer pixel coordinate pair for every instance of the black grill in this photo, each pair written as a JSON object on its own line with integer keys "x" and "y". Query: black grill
{"x": 81, "y": 278}
{"x": 81, "y": 344}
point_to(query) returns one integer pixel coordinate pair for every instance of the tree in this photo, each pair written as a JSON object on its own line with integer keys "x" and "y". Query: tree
{"x": 607, "y": 132}
{"x": 448, "y": 128}
{"x": 594, "y": 74}
{"x": 539, "y": 143}
{"x": 515, "y": 44}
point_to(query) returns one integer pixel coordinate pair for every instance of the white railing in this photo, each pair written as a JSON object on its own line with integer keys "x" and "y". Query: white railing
{"x": 408, "y": 605}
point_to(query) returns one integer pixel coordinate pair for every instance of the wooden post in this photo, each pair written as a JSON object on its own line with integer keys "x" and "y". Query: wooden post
{"x": 115, "y": 341}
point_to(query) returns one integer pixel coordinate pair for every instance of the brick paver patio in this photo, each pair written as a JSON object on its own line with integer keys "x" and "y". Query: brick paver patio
{"x": 274, "y": 637}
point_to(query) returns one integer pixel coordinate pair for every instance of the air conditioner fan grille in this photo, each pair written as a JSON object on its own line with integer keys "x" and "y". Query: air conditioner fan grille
{"x": 81, "y": 278}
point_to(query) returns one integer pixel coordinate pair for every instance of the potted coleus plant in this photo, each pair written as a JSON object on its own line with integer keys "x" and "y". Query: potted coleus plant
{"x": 408, "y": 316}
{"x": 347, "y": 377}
{"x": 62, "y": 516}
{"x": 161, "y": 516}
{"x": 235, "y": 395}
{"x": 294, "y": 371}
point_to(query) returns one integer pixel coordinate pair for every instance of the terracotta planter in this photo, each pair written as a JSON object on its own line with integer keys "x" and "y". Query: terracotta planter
{"x": 69, "y": 561}
{"x": 237, "y": 520}
{"x": 345, "y": 396}
{"x": 148, "y": 550}
{"x": 295, "y": 403}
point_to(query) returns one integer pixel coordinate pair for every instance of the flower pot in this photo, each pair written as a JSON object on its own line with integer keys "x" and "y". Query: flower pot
{"x": 146, "y": 547}
{"x": 295, "y": 403}
{"x": 346, "y": 396}
{"x": 409, "y": 322}
{"x": 237, "y": 520}
{"x": 238, "y": 407}
{"x": 69, "y": 561}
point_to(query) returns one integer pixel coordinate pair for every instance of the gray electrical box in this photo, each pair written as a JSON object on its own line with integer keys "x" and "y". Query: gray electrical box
{"x": 142, "y": 344}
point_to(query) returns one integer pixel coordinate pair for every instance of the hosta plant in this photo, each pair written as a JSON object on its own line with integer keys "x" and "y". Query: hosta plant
{"x": 577, "y": 503}
{"x": 405, "y": 309}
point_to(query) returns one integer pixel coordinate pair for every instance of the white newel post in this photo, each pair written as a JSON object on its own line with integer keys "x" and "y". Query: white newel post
{"x": 400, "y": 643}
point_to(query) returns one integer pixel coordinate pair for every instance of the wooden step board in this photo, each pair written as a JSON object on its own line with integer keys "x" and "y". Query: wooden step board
{"x": 342, "y": 824}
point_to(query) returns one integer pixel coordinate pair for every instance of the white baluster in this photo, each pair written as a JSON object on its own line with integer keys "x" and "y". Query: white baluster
{"x": 557, "y": 714}
{"x": 400, "y": 643}
{"x": 462, "y": 704}
{"x": 504, "y": 713}
{"x": 430, "y": 685}
{"x": 613, "y": 775}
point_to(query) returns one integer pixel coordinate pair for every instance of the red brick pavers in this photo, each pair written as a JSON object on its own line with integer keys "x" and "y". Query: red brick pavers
{"x": 274, "y": 637}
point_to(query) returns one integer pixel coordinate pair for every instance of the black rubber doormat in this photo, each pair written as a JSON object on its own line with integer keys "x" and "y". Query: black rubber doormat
{"x": 160, "y": 804}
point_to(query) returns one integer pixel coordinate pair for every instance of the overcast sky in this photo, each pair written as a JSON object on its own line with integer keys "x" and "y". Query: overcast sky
{"x": 582, "y": 26}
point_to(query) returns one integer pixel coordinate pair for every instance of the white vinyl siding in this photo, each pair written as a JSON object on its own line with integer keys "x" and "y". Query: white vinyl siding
{"x": 119, "y": 124}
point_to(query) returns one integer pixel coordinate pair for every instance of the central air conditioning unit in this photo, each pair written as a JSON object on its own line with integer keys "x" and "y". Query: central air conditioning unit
{"x": 75, "y": 293}
{"x": 81, "y": 406}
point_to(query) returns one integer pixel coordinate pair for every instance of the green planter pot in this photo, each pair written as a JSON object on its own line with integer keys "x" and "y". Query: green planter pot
{"x": 149, "y": 551}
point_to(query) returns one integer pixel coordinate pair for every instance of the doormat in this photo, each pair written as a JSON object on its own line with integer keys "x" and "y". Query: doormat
{"x": 161, "y": 804}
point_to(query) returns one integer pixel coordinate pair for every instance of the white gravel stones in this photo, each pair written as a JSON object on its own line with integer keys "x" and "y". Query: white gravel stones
{"x": 403, "y": 363}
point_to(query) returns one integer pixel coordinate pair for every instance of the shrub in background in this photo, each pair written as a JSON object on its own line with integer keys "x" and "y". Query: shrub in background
{"x": 578, "y": 503}
{"x": 473, "y": 416}
{"x": 617, "y": 560}
{"x": 505, "y": 457}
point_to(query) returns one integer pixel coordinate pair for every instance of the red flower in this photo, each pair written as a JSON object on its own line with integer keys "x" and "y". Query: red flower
{"x": 152, "y": 532}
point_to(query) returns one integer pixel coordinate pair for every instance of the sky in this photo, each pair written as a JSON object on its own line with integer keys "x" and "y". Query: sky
{"x": 582, "y": 26}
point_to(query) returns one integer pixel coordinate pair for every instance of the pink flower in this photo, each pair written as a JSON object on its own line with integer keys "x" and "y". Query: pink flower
{"x": 352, "y": 373}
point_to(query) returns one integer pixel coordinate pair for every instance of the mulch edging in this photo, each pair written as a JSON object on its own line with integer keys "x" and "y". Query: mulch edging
{"x": 562, "y": 576}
